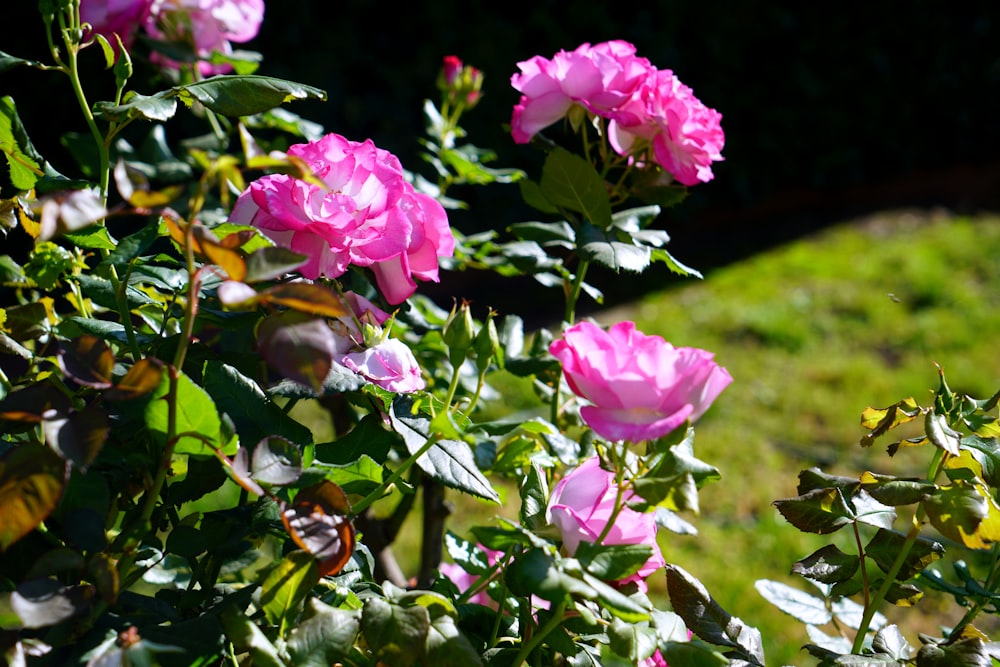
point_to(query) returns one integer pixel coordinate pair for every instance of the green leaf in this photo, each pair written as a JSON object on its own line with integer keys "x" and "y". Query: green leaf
{"x": 397, "y": 635}
{"x": 245, "y": 636}
{"x": 820, "y": 511}
{"x": 94, "y": 237}
{"x": 75, "y": 325}
{"x": 602, "y": 247}
{"x": 692, "y": 654}
{"x": 198, "y": 427}
{"x": 446, "y": 646}
{"x": 132, "y": 246}
{"x": 8, "y": 62}
{"x": 941, "y": 434}
{"x": 244, "y": 95}
{"x": 969, "y": 652}
{"x": 959, "y": 511}
{"x": 535, "y": 572}
{"x": 26, "y": 166}
{"x": 894, "y": 491}
{"x": 32, "y": 479}
{"x": 358, "y": 477}
{"x": 276, "y": 461}
{"x": 797, "y": 604}
{"x": 268, "y": 262}
{"x": 828, "y": 565}
{"x": 324, "y": 636}
{"x": 531, "y": 193}
{"x": 534, "y": 498}
{"x": 134, "y": 106}
{"x": 41, "y": 603}
{"x": 559, "y": 233}
{"x": 286, "y": 586}
{"x": 870, "y": 511}
{"x": 570, "y": 182}
{"x": 705, "y": 618}
{"x": 253, "y": 412}
{"x": 886, "y": 545}
{"x": 613, "y": 562}
{"x": 451, "y": 462}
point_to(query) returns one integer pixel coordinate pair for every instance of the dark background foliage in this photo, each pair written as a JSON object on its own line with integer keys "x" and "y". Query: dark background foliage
{"x": 828, "y": 112}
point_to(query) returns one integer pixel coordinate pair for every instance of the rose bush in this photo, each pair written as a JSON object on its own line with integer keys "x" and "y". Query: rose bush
{"x": 163, "y": 500}
{"x": 640, "y": 387}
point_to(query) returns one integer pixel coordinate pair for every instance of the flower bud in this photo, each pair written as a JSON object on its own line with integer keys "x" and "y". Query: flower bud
{"x": 487, "y": 343}
{"x": 458, "y": 333}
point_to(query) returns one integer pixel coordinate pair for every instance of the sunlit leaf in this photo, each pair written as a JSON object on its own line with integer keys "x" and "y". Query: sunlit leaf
{"x": 451, "y": 462}
{"x": 32, "y": 479}
{"x": 821, "y": 511}
{"x": 828, "y": 565}
{"x": 324, "y": 635}
{"x": 709, "y": 621}
{"x": 396, "y": 634}
{"x": 880, "y": 420}
{"x": 198, "y": 427}
{"x": 244, "y": 95}
{"x": 40, "y": 603}
{"x": 276, "y": 461}
{"x": 794, "y": 602}
{"x": 286, "y": 586}
{"x": 25, "y": 164}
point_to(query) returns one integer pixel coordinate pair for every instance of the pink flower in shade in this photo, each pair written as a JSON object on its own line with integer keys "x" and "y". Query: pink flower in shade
{"x": 600, "y": 78}
{"x": 685, "y": 136}
{"x": 641, "y": 387}
{"x": 581, "y": 505}
{"x": 111, "y": 17}
{"x": 451, "y": 70}
{"x": 205, "y": 25}
{"x": 367, "y": 215}
{"x": 464, "y": 580}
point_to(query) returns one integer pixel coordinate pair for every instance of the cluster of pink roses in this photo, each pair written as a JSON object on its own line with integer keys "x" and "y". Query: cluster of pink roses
{"x": 652, "y": 115}
{"x": 207, "y": 26}
{"x": 366, "y": 214}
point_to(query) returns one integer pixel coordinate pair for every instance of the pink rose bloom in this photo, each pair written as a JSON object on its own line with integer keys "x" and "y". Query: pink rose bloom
{"x": 641, "y": 387}
{"x": 600, "y": 78}
{"x": 367, "y": 215}
{"x": 110, "y": 17}
{"x": 206, "y": 25}
{"x": 389, "y": 364}
{"x": 464, "y": 580}
{"x": 581, "y": 505}
{"x": 430, "y": 238}
{"x": 685, "y": 135}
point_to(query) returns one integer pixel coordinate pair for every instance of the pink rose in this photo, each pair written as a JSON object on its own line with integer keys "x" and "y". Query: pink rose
{"x": 110, "y": 17}
{"x": 388, "y": 364}
{"x": 430, "y": 239}
{"x": 600, "y": 78}
{"x": 685, "y": 135}
{"x": 641, "y": 387}
{"x": 206, "y": 25}
{"x": 367, "y": 215}
{"x": 581, "y": 505}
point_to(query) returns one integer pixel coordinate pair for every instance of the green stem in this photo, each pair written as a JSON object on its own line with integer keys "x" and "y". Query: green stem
{"x": 366, "y": 502}
{"x": 554, "y": 622}
{"x": 574, "y": 294}
{"x": 890, "y": 576}
{"x": 865, "y": 586}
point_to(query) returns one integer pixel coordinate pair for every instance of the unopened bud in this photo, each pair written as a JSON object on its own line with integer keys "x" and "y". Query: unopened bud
{"x": 458, "y": 333}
